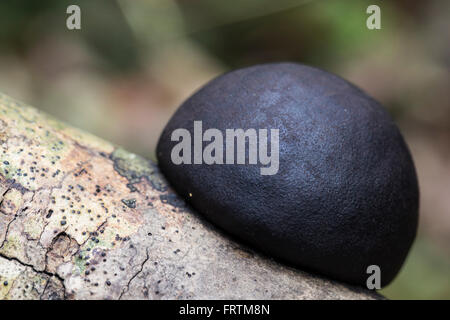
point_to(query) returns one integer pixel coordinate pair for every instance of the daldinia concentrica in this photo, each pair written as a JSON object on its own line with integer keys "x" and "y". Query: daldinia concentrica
{"x": 300, "y": 164}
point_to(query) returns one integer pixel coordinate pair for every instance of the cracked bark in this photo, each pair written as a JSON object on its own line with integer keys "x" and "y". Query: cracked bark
{"x": 135, "y": 275}
{"x": 83, "y": 219}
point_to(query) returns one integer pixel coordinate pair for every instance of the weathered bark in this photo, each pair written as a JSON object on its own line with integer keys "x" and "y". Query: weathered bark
{"x": 83, "y": 219}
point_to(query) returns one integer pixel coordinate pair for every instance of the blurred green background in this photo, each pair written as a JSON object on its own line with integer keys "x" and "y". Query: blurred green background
{"x": 133, "y": 62}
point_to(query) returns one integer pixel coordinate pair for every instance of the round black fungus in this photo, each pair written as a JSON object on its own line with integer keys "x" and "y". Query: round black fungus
{"x": 345, "y": 195}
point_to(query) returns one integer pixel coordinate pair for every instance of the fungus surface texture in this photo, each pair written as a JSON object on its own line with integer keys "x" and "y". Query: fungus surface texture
{"x": 345, "y": 195}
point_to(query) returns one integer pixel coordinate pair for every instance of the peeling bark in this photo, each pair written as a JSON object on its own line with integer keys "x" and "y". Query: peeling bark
{"x": 83, "y": 219}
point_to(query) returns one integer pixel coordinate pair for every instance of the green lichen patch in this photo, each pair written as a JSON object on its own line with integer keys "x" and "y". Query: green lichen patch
{"x": 134, "y": 168}
{"x": 130, "y": 165}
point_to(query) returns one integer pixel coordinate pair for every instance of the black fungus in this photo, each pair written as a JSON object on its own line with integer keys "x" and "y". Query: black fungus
{"x": 345, "y": 195}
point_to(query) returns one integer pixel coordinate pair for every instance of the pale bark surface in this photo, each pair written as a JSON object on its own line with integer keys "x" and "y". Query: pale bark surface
{"x": 81, "y": 218}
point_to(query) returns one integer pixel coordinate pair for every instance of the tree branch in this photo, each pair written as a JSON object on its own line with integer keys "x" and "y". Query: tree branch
{"x": 83, "y": 219}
